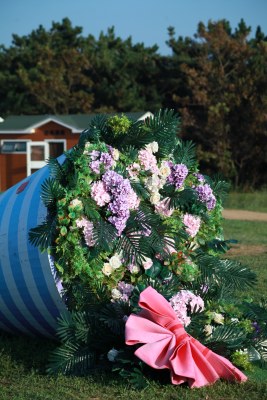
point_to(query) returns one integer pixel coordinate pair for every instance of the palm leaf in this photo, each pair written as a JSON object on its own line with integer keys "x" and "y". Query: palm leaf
{"x": 71, "y": 358}
{"x": 104, "y": 235}
{"x": 185, "y": 153}
{"x": 129, "y": 244}
{"x": 56, "y": 170}
{"x": 43, "y": 235}
{"x": 230, "y": 273}
{"x": 230, "y": 336}
{"x": 50, "y": 192}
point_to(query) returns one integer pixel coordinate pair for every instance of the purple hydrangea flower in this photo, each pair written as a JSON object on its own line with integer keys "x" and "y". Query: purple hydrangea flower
{"x": 178, "y": 174}
{"x": 205, "y": 195}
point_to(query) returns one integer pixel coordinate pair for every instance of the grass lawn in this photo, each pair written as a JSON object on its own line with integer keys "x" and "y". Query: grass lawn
{"x": 256, "y": 201}
{"x": 23, "y": 360}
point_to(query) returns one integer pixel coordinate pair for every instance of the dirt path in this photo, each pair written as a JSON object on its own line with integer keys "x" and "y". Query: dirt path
{"x": 245, "y": 215}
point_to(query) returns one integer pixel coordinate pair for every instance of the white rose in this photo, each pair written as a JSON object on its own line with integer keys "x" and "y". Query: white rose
{"x": 152, "y": 183}
{"x": 164, "y": 170}
{"x": 218, "y": 318}
{"x": 116, "y": 294}
{"x": 112, "y": 354}
{"x": 115, "y": 261}
{"x": 153, "y": 147}
{"x": 115, "y": 154}
{"x": 107, "y": 269}
{"x": 155, "y": 198}
{"x": 208, "y": 330}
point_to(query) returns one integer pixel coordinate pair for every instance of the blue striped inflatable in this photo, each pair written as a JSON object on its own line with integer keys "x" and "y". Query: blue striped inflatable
{"x": 30, "y": 300}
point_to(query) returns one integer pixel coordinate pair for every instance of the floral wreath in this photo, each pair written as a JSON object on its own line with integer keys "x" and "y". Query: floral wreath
{"x": 129, "y": 210}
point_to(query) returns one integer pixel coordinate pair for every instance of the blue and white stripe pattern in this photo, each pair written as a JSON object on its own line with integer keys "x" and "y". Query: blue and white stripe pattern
{"x": 30, "y": 301}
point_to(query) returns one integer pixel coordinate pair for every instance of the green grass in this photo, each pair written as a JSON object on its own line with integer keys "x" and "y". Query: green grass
{"x": 23, "y": 360}
{"x": 254, "y": 201}
{"x": 22, "y": 378}
{"x": 251, "y": 250}
{"x": 246, "y": 232}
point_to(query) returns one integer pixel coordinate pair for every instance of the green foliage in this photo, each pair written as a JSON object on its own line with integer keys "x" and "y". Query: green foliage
{"x": 111, "y": 240}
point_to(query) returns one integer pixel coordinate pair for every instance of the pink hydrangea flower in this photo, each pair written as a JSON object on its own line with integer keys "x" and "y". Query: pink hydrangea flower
{"x": 163, "y": 207}
{"x": 99, "y": 193}
{"x": 87, "y": 227}
{"x": 148, "y": 161}
{"x": 181, "y": 301}
{"x": 192, "y": 224}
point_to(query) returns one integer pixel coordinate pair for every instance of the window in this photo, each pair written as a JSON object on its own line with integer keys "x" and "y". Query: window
{"x": 13, "y": 146}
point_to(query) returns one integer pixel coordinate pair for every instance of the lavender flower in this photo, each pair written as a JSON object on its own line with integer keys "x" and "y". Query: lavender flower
{"x": 178, "y": 174}
{"x": 205, "y": 195}
{"x": 123, "y": 199}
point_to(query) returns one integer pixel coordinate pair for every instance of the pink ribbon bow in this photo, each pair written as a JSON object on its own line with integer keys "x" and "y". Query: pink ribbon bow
{"x": 167, "y": 345}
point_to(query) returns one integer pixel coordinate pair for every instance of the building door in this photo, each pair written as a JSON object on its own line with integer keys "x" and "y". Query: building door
{"x": 56, "y": 147}
{"x": 37, "y": 154}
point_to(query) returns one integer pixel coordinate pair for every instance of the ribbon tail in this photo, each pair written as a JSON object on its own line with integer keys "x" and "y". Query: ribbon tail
{"x": 198, "y": 366}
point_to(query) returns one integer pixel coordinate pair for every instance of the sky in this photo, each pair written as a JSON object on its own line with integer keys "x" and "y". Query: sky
{"x": 144, "y": 20}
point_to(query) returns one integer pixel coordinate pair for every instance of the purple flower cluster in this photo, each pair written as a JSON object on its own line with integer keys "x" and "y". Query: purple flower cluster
{"x": 125, "y": 289}
{"x": 199, "y": 177}
{"x": 180, "y": 303}
{"x": 99, "y": 159}
{"x": 178, "y": 174}
{"x": 205, "y": 195}
{"x": 123, "y": 198}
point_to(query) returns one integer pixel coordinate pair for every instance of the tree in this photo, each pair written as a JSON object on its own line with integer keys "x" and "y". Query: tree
{"x": 124, "y": 75}
{"x": 224, "y": 106}
{"x": 49, "y": 67}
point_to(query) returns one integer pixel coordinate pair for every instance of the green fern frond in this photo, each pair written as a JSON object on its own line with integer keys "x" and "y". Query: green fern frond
{"x": 182, "y": 200}
{"x": 112, "y": 316}
{"x": 230, "y": 273}
{"x": 56, "y": 170}
{"x": 129, "y": 245}
{"x": 230, "y": 336}
{"x": 163, "y": 129}
{"x": 71, "y": 358}
{"x": 185, "y": 153}
{"x": 50, "y": 192}
{"x": 104, "y": 235}
{"x": 43, "y": 235}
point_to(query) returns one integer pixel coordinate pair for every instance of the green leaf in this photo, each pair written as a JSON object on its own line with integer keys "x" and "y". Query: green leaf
{"x": 185, "y": 153}
{"x": 50, "y": 192}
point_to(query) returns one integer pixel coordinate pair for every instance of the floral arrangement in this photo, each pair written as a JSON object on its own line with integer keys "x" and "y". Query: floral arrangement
{"x": 129, "y": 210}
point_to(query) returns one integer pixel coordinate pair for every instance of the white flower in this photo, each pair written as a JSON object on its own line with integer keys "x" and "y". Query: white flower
{"x": 235, "y": 320}
{"x": 115, "y": 154}
{"x": 135, "y": 269}
{"x": 153, "y": 147}
{"x": 115, "y": 261}
{"x": 164, "y": 170}
{"x": 208, "y": 330}
{"x": 218, "y": 318}
{"x": 107, "y": 269}
{"x": 116, "y": 294}
{"x": 155, "y": 198}
{"x": 86, "y": 146}
{"x": 147, "y": 263}
{"x": 112, "y": 354}
{"x": 76, "y": 202}
{"x": 152, "y": 183}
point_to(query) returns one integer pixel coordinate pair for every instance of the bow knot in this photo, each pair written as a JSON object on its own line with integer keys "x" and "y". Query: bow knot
{"x": 167, "y": 345}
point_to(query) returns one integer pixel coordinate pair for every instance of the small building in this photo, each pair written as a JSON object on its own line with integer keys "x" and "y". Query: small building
{"x": 27, "y": 141}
